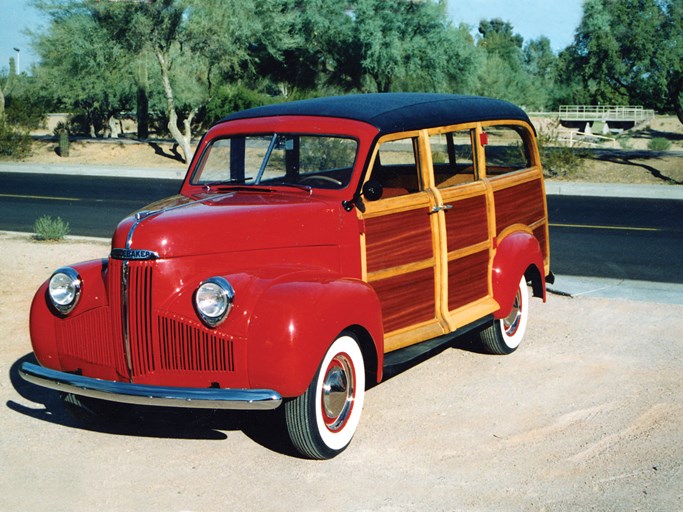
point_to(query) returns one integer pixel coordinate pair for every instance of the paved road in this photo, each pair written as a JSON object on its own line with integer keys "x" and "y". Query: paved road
{"x": 619, "y": 238}
{"x": 92, "y": 205}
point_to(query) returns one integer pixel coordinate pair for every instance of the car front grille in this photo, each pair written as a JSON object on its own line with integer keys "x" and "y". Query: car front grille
{"x": 184, "y": 346}
{"x": 133, "y": 338}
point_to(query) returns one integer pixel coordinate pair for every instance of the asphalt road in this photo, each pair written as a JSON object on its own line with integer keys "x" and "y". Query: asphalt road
{"x": 621, "y": 238}
{"x": 633, "y": 239}
{"x": 92, "y": 205}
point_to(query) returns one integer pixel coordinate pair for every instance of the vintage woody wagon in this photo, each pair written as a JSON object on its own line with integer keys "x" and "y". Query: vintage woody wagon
{"x": 312, "y": 245}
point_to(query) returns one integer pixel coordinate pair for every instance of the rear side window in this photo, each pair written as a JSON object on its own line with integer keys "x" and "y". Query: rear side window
{"x": 453, "y": 158}
{"x": 506, "y": 150}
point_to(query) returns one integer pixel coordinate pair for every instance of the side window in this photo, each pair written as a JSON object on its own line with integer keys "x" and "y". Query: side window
{"x": 506, "y": 150}
{"x": 396, "y": 167}
{"x": 453, "y": 158}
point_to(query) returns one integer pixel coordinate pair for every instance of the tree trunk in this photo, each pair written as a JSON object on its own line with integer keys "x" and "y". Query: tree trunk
{"x": 183, "y": 139}
{"x": 675, "y": 92}
{"x": 113, "y": 127}
{"x": 142, "y": 111}
{"x": 2, "y": 106}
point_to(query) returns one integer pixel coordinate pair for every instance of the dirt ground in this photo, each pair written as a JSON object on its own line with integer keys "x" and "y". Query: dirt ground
{"x": 586, "y": 415}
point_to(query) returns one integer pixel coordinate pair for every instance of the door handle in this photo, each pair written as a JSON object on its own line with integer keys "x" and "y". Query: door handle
{"x": 441, "y": 207}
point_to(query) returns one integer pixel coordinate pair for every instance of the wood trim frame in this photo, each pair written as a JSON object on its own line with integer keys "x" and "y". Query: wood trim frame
{"x": 476, "y": 242}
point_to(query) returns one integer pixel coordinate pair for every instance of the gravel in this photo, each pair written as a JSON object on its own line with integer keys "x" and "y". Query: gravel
{"x": 586, "y": 415}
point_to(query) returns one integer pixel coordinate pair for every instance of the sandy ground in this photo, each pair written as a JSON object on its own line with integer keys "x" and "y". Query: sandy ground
{"x": 586, "y": 415}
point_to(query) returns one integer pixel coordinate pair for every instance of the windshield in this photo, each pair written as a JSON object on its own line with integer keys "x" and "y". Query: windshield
{"x": 316, "y": 161}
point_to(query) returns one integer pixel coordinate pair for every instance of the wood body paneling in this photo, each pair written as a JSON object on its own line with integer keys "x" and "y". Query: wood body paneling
{"x": 398, "y": 239}
{"x": 406, "y": 299}
{"x": 466, "y": 222}
{"x": 468, "y": 279}
{"x": 519, "y": 203}
{"x": 429, "y": 254}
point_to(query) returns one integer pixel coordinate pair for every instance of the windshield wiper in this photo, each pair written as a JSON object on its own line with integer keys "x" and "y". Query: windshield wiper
{"x": 239, "y": 188}
{"x": 223, "y": 183}
{"x": 307, "y": 188}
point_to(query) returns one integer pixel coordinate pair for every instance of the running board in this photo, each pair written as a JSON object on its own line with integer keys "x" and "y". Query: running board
{"x": 400, "y": 360}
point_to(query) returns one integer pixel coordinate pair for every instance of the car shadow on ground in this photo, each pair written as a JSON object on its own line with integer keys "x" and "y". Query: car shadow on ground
{"x": 266, "y": 428}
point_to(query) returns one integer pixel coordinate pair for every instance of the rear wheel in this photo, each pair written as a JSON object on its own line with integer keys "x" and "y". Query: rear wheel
{"x": 322, "y": 421}
{"x": 503, "y": 336}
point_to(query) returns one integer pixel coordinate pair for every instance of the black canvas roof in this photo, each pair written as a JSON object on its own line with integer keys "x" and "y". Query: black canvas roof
{"x": 394, "y": 112}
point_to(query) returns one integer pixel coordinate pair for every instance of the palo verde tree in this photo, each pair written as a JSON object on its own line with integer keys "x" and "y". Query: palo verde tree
{"x": 630, "y": 51}
{"x": 80, "y": 69}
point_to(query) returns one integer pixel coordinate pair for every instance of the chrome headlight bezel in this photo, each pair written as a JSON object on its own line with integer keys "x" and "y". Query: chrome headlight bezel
{"x": 64, "y": 289}
{"x": 213, "y": 300}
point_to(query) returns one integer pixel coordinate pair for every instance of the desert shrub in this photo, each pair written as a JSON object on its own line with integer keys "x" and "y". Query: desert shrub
{"x": 558, "y": 161}
{"x": 625, "y": 142}
{"x": 47, "y": 228}
{"x": 659, "y": 144}
{"x": 15, "y": 144}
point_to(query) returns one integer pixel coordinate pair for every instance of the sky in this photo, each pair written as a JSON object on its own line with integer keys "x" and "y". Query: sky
{"x": 555, "y": 19}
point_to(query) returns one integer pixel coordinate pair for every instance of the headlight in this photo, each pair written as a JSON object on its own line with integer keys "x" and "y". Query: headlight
{"x": 65, "y": 289}
{"x": 213, "y": 300}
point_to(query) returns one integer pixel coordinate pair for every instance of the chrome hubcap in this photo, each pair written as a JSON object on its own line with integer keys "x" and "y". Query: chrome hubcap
{"x": 338, "y": 392}
{"x": 511, "y": 322}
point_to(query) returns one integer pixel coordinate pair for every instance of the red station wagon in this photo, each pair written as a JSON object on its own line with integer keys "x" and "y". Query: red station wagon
{"x": 313, "y": 246}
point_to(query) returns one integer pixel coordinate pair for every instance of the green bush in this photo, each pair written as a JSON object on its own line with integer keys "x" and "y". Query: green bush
{"x": 14, "y": 143}
{"x": 47, "y": 228}
{"x": 558, "y": 161}
{"x": 659, "y": 144}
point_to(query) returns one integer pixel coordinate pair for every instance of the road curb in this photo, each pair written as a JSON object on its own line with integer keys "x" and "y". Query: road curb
{"x": 572, "y": 188}
{"x": 625, "y": 289}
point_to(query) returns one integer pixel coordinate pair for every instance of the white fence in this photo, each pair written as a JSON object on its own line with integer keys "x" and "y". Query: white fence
{"x": 604, "y": 113}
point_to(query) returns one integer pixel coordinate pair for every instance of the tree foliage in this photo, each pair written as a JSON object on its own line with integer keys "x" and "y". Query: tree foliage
{"x": 629, "y": 51}
{"x": 191, "y": 62}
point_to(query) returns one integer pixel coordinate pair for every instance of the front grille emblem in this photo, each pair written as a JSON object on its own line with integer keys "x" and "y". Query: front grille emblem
{"x": 133, "y": 254}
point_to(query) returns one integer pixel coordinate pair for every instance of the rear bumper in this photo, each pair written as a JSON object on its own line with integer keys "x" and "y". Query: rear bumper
{"x": 199, "y": 398}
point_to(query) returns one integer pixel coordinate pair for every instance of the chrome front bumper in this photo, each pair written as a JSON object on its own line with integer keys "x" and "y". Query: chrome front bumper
{"x": 199, "y": 398}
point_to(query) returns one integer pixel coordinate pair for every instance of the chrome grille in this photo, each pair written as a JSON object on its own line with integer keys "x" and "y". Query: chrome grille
{"x": 183, "y": 346}
{"x": 138, "y": 310}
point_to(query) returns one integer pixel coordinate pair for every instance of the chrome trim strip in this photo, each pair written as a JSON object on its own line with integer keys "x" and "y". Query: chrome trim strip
{"x": 124, "y": 318}
{"x": 138, "y": 394}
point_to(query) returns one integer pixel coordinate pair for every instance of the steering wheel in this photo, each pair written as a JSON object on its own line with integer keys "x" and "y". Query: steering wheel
{"x": 321, "y": 178}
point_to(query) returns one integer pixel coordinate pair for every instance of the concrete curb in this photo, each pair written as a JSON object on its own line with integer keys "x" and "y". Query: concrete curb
{"x": 641, "y": 291}
{"x": 571, "y": 188}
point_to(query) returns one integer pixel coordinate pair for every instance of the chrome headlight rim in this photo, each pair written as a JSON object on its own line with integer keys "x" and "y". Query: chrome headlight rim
{"x": 64, "y": 289}
{"x": 223, "y": 296}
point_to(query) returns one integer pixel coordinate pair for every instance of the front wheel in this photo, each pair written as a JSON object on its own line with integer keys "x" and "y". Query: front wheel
{"x": 504, "y": 336}
{"x": 322, "y": 421}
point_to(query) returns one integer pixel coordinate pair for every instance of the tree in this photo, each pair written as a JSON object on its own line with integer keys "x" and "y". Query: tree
{"x": 80, "y": 68}
{"x": 625, "y": 58}
{"x": 503, "y": 73}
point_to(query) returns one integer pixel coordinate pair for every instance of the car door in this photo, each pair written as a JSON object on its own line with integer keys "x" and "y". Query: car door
{"x": 466, "y": 224}
{"x": 399, "y": 243}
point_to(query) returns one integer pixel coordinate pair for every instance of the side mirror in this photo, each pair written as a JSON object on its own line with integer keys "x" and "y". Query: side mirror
{"x": 372, "y": 190}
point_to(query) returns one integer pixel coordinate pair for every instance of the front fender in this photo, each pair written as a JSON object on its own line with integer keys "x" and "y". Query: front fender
{"x": 43, "y": 316}
{"x": 296, "y": 320}
{"x": 517, "y": 254}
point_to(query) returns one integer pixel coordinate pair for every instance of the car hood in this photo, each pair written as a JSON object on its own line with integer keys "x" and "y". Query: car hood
{"x": 236, "y": 221}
